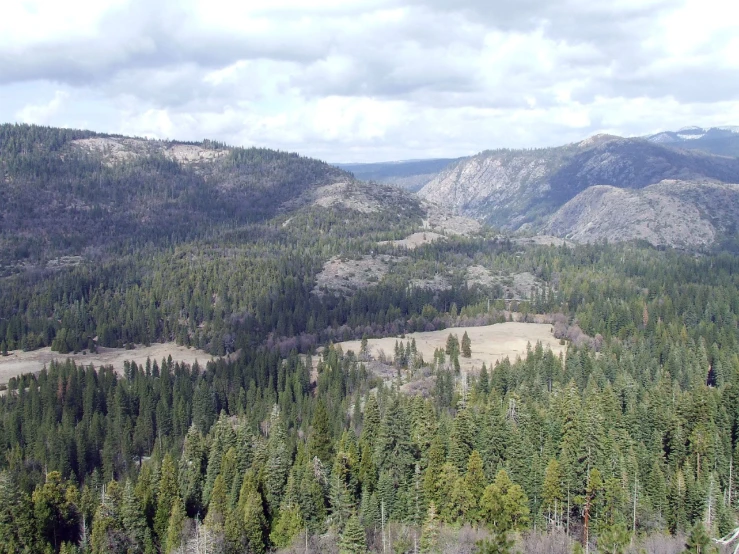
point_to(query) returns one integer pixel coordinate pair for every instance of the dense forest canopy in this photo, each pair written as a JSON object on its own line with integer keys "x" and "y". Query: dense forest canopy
{"x": 627, "y": 439}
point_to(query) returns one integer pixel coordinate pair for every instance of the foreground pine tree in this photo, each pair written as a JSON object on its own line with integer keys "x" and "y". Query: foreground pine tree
{"x": 353, "y": 540}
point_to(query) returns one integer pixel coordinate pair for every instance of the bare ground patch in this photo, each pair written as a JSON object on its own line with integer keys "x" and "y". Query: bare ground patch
{"x": 116, "y": 150}
{"x": 346, "y": 276}
{"x": 517, "y": 286}
{"x": 19, "y": 362}
{"x": 444, "y": 221}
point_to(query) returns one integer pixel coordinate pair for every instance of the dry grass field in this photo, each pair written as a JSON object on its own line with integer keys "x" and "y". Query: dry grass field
{"x": 490, "y": 343}
{"x": 19, "y": 362}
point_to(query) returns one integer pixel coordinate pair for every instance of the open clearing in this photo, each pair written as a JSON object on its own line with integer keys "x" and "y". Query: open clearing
{"x": 490, "y": 343}
{"x": 19, "y": 362}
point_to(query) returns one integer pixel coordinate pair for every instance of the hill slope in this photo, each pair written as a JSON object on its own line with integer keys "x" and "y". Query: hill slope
{"x": 523, "y": 188}
{"x": 513, "y": 187}
{"x": 685, "y": 214}
{"x": 63, "y": 191}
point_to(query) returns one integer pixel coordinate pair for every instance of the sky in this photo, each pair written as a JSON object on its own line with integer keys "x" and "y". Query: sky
{"x": 361, "y": 80}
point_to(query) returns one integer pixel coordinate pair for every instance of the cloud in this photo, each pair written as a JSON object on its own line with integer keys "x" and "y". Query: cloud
{"x": 371, "y": 79}
{"x": 42, "y": 113}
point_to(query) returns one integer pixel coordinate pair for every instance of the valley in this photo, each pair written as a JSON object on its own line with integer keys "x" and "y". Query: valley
{"x": 595, "y": 282}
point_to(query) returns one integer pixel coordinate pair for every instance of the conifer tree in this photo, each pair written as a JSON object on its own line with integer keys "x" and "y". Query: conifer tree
{"x": 698, "y": 541}
{"x": 288, "y": 525}
{"x": 394, "y": 452}
{"x": 134, "y": 521}
{"x": 175, "y": 527}
{"x": 319, "y": 443}
{"x": 466, "y": 346}
{"x": 462, "y": 440}
{"x": 167, "y": 495}
{"x": 254, "y": 523}
{"x": 475, "y": 484}
{"x": 278, "y": 461}
{"x": 353, "y": 539}
{"x": 430, "y": 534}
{"x": 191, "y": 466}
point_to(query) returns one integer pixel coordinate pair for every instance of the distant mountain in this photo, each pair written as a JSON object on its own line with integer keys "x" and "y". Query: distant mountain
{"x": 411, "y": 175}
{"x": 685, "y": 214}
{"x": 513, "y": 188}
{"x": 722, "y": 141}
{"x": 517, "y": 189}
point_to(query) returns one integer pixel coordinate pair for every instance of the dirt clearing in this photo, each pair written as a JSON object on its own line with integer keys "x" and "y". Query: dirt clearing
{"x": 490, "y": 343}
{"x": 19, "y": 362}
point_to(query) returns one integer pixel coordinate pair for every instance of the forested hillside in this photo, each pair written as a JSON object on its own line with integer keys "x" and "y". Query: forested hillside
{"x": 65, "y": 191}
{"x": 625, "y": 443}
{"x": 637, "y": 437}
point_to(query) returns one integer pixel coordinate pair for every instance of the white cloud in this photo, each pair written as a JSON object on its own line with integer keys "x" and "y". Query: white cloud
{"x": 371, "y": 79}
{"x": 42, "y": 113}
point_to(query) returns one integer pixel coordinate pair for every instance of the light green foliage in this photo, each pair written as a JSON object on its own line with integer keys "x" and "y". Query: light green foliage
{"x": 175, "y": 527}
{"x": 504, "y": 505}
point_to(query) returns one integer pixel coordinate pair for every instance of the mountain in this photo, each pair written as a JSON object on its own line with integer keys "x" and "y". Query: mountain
{"x": 685, "y": 214}
{"x": 523, "y": 188}
{"x": 723, "y": 141}
{"x": 411, "y": 175}
{"x": 109, "y": 241}
{"x": 66, "y": 191}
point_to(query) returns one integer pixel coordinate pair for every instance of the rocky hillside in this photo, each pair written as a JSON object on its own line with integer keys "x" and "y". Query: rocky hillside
{"x": 684, "y": 214}
{"x": 523, "y": 188}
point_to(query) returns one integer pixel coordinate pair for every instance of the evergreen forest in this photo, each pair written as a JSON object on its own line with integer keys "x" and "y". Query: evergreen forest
{"x": 288, "y": 443}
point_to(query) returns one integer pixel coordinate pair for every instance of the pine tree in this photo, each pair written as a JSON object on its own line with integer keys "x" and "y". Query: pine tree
{"x": 218, "y": 508}
{"x": 278, "y": 461}
{"x": 353, "y": 539}
{"x": 499, "y": 544}
{"x": 614, "y": 538}
{"x": 166, "y": 497}
{"x": 394, "y": 450}
{"x": 319, "y": 443}
{"x": 483, "y": 381}
{"x": 191, "y": 466}
{"x": 430, "y": 534}
{"x": 462, "y": 440}
{"x": 475, "y": 484}
{"x": 288, "y": 525}
{"x": 504, "y": 505}
{"x": 254, "y": 523}
{"x": 175, "y": 527}
{"x": 466, "y": 346}
{"x": 552, "y": 494}
{"x": 698, "y": 541}
{"x": 134, "y": 521}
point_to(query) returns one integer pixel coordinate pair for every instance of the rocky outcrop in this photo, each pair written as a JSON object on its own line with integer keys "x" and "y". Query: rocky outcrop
{"x": 683, "y": 214}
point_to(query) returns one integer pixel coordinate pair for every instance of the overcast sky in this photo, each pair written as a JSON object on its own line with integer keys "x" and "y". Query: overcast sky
{"x": 371, "y": 80}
